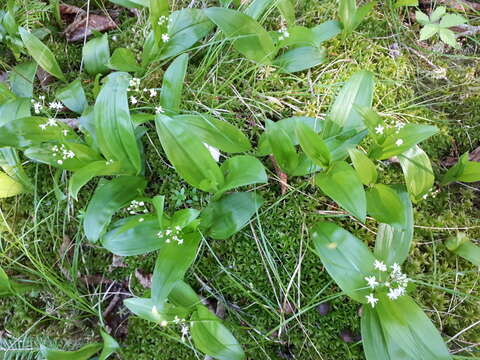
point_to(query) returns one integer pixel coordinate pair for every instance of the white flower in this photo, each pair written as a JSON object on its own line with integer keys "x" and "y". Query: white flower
{"x": 159, "y": 110}
{"x": 153, "y": 92}
{"x": 394, "y": 294}
{"x": 379, "y": 129}
{"x": 165, "y": 38}
{"x": 213, "y": 151}
{"x": 372, "y": 300}
{"x": 379, "y": 265}
{"x": 399, "y": 142}
{"x": 55, "y": 105}
{"x": 133, "y": 100}
{"x": 65, "y": 132}
{"x": 372, "y": 281}
{"x": 184, "y": 332}
{"x": 399, "y": 125}
{"x": 52, "y": 122}
{"x": 43, "y": 126}
{"x": 163, "y": 323}
{"x": 141, "y": 220}
{"x": 59, "y": 162}
{"x": 396, "y": 268}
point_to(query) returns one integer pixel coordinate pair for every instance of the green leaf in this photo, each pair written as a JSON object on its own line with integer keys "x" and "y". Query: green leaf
{"x": 172, "y": 263}
{"x": 242, "y": 170}
{"x": 14, "y": 109}
{"x": 88, "y": 172}
{"x": 113, "y": 125}
{"x": 450, "y": 20}
{"x": 96, "y": 55}
{"x": 437, "y": 14}
{"x": 406, "y": 325}
{"x": 138, "y": 4}
{"x": 384, "y": 205}
{"x": 418, "y": 172}
{"x": 400, "y": 3}
{"x": 462, "y": 246}
{"x": 212, "y": 337}
{"x": 287, "y": 10}
{"x": 248, "y": 36}
{"x": 373, "y": 340}
{"x": 73, "y": 96}
{"x": 301, "y": 58}
{"x": 41, "y": 54}
{"x": 127, "y": 239}
{"x": 159, "y": 9}
{"x": 6, "y": 288}
{"x": 21, "y": 79}
{"x": 428, "y": 31}
{"x": 10, "y": 163}
{"x": 362, "y": 13}
{"x": 346, "y": 258}
{"x": 357, "y": 92}
{"x": 190, "y": 157}
{"x": 172, "y": 85}
{"x": 146, "y": 309}
{"x": 346, "y": 13}
{"x": 422, "y": 18}
{"x": 448, "y": 37}
{"x": 366, "y": 169}
{"x": 8, "y": 186}
{"x": 397, "y": 143}
{"x": 341, "y": 183}
{"x": 225, "y": 217}
{"x": 326, "y": 31}
{"x": 183, "y": 295}
{"x": 110, "y": 346}
{"x": 283, "y": 147}
{"x": 84, "y": 353}
{"x": 393, "y": 242}
{"x": 124, "y": 59}
{"x": 313, "y": 145}
{"x": 107, "y": 199}
{"x": 215, "y": 132}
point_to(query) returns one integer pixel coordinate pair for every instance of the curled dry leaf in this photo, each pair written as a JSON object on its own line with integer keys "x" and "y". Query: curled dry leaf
{"x": 44, "y": 78}
{"x": 281, "y": 175}
{"x": 78, "y": 27}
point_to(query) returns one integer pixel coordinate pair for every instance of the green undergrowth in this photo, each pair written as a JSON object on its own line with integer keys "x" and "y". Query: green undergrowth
{"x": 270, "y": 263}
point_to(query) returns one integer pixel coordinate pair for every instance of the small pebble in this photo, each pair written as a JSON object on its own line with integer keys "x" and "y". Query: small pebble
{"x": 324, "y": 308}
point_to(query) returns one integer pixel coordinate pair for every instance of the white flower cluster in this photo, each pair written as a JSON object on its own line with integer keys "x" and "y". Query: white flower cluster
{"x": 177, "y": 321}
{"x": 432, "y": 192}
{"x": 37, "y": 105}
{"x": 134, "y": 83}
{"x": 137, "y": 207}
{"x": 62, "y": 152}
{"x": 55, "y": 105}
{"x": 171, "y": 235}
{"x": 398, "y": 125}
{"x": 395, "y": 282}
{"x": 284, "y": 33}
{"x": 134, "y": 86}
{"x": 50, "y": 122}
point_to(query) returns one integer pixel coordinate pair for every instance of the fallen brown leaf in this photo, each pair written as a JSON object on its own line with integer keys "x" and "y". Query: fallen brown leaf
{"x": 80, "y": 29}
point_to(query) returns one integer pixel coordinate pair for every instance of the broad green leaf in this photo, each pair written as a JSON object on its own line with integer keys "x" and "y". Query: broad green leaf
{"x": 41, "y": 54}
{"x": 21, "y": 79}
{"x": 448, "y": 37}
{"x": 10, "y": 163}
{"x": 73, "y": 96}
{"x": 140, "y": 238}
{"x": 138, "y": 4}
{"x": 313, "y": 145}
{"x": 418, "y": 172}
{"x": 28, "y": 131}
{"x": 357, "y": 92}
{"x": 456, "y": 171}
{"x": 407, "y": 326}
{"x": 212, "y": 337}
{"x": 84, "y": 353}
{"x": 346, "y": 258}
{"x": 283, "y": 147}
{"x": 399, "y": 142}
{"x": 183, "y": 295}
{"x": 248, "y": 36}
{"x": 400, "y": 3}
{"x": 362, "y": 13}
{"x": 172, "y": 263}
{"x": 366, "y": 170}
{"x": 385, "y": 205}
{"x": 225, "y": 217}
{"x": 172, "y": 85}
{"x": 301, "y": 58}
{"x": 242, "y": 170}
{"x": 159, "y": 9}
{"x": 110, "y": 346}
{"x": 107, "y": 199}
{"x": 8, "y": 186}
{"x": 190, "y": 157}
{"x": 123, "y": 59}
{"x": 463, "y": 246}
{"x": 392, "y": 244}
{"x": 215, "y": 132}
{"x": 346, "y": 14}
{"x": 113, "y": 125}
{"x": 373, "y": 340}
{"x": 422, "y": 18}
{"x": 159, "y": 205}
{"x": 96, "y": 54}
{"x": 146, "y": 309}
{"x": 428, "y": 31}
{"x": 437, "y": 14}
{"x": 5, "y": 284}
{"x": 326, "y": 31}
{"x": 14, "y": 109}
{"x": 5, "y": 93}
{"x": 185, "y": 219}
{"x": 85, "y": 174}
{"x": 287, "y": 10}
{"x": 256, "y": 8}
{"x": 450, "y": 20}
{"x": 340, "y": 182}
